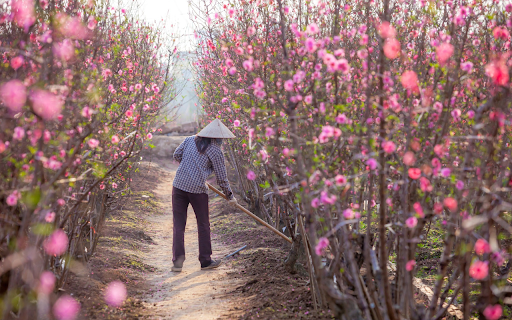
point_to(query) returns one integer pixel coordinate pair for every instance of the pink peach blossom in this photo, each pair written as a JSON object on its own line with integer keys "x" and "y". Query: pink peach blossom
{"x": 12, "y": 199}
{"x": 17, "y": 62}
{"x": 93, "y": 143}
{"x": 419, "y": 210}
{"x": 445, "y": 172}
{"x": 500, "y": 33}
{"x": 23, "y": 13}
{"x": 72, "y": 27}
{"x": 56, "y": 243}
{"x": 91, "y": 23}
{"x": 251, "y": 175}
{"x": 409, "y": 266}
{"x": 327, "y": 199}
{"x": 64, "y": 50}
{"x": 386, "y": 30}
{"x": 288, "y": 85}
{"x": 321, "y": 245}
{"x": 493, "y": 312}
{"x": 438, "y": 208}
{"x": 310, "y": 45}
{"x": 391, "y": 48}
{"x": 456, "y": 113}
{"x": 312, "y": 29}
{"x": 45, "y": 104}
{"x": 409, "y": 158}
{"x": 49, "y": 217}
{"x": 482, "y": 246}
{"x": 479, "y": 270}
{"x": 66, "y": 308}
{"x": 248, "y": 65}
{"x": 115, "y": 294}
{"x": 410, "y": 81}
{"x": 340, "y": 180}
{"x": 251, "y": 31}
{"x": 450, "y": 204}
{"x": 388, "y": 146}
{"x": 372, "y": 163}
{"x": 343, "y": 66}
{"x": 13, "y": 95}
{"x": 467, "y": 66}
{"x": 19, "y": 133}
{"x": 444, "y": 52}
{"x": 341, "y": 119}
{"x": 414, "y": 173}
{"x": 411, "y": 222}
{"x": 498, "y": 71}
{"x": 348, "y": 214}
{"x": 498, "y": 258}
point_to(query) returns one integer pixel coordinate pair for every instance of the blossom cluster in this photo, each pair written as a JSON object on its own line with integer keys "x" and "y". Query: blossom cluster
{"x": 80, "y": 87}
{"x": 373, "y": 123}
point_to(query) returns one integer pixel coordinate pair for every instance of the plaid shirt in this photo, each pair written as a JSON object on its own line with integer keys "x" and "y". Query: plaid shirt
{"x": 195, "y": 168}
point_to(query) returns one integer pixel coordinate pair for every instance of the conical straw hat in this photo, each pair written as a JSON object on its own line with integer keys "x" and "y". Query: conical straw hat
{"x": 216, "y": 129}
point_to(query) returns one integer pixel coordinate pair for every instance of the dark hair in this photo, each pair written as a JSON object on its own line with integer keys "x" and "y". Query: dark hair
{"x": 202, "y": 143}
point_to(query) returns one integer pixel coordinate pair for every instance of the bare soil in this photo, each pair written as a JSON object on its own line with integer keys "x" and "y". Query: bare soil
{"x": 136, "y": 248}
{"x": 267, "y": 290}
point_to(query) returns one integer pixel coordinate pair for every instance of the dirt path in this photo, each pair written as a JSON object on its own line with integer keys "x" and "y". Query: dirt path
{"x": 191, "y": 294}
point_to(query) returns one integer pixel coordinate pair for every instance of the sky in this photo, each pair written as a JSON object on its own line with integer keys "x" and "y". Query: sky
{"x": 175, "y": 13}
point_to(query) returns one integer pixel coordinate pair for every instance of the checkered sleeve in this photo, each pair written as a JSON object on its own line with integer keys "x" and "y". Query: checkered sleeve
{"x": 178, "y": 153}
{"x": 219, "y": 167}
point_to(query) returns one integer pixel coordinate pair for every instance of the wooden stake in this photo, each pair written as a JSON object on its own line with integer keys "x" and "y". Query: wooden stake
{"x": 252, "y": 215}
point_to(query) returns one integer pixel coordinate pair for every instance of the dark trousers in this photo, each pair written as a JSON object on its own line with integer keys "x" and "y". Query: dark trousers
{"x": 199, "y": 202}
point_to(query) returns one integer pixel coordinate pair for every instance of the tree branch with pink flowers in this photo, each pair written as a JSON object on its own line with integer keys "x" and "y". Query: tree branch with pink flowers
{"x": 375, "y": 125}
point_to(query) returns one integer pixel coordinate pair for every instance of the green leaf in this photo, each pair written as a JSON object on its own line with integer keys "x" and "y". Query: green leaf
{"x": 31, "y": 198}
{"x": 265, "y": 185}
{"x": 99, "y": 169}
{"x": 42, "y": 229}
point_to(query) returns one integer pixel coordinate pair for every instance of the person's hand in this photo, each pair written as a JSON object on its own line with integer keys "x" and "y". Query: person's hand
{"x": 206, "y": 186}
{"x": 233, "y": 202}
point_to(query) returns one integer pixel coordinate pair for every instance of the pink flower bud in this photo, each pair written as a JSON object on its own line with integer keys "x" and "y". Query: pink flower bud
{"x": 45, "y": 104}
{"x": 56, "y": 243}
{"x": 411, "y": 222}
{"x": 66, "y": 308}
{"x": 493, "y": 312}
{"x": 409, "y": 266}
{"x": 479, "y": 270}
{"x": 251, "y": 175}
{"x": 13, "y": 95}
{"x": 115, "y": 294}
{"x": 320, "y": 247}
{"x": 482, "y": 246}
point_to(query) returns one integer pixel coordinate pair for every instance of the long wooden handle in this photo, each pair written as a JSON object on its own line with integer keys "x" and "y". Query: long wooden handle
{"x": 252, "y": 215}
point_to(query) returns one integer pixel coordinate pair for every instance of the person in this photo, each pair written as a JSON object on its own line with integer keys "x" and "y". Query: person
{"x": 198, "y": 157}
